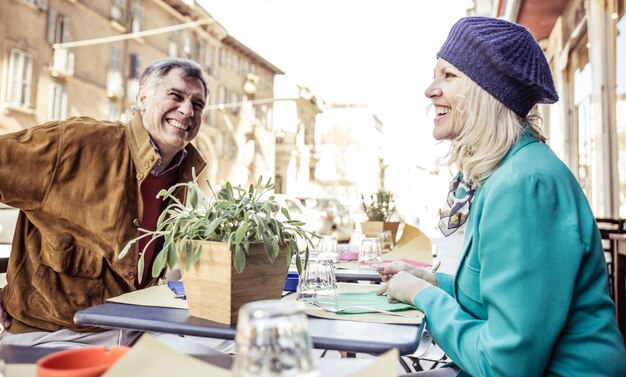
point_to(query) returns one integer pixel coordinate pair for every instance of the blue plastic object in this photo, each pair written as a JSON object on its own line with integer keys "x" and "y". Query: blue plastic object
{"x": 292, "y": 281}
{"x": 178, "y": 288}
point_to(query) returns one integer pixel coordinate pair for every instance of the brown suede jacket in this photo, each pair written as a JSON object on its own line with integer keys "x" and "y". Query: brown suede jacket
{"x": 77, "y": 184}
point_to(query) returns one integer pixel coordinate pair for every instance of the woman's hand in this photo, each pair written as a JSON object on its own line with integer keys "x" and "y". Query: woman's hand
{"x": 403, "y": 286}
{"x": 387, "y": 271}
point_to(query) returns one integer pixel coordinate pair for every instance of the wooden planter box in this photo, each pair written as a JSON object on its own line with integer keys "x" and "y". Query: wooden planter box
{"x": 215, "y": 291}
{"x": 372, "y": 228}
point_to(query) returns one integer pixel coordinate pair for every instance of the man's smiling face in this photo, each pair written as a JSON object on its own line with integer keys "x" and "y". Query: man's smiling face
{"x": 171, "y": 108}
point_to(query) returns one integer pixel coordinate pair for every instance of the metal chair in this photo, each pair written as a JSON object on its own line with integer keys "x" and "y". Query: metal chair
{"x": 427, "y": 352}
{"x": 609, "y": 226}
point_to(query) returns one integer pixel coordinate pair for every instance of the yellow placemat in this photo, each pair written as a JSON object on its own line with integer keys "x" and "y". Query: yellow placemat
{"x": 20, "y": 370}
{"x": 150, "y": 358}
{"x": 413, "y": 245}
{"x": 314, "y": 311}
{"x": 160, "y": 295}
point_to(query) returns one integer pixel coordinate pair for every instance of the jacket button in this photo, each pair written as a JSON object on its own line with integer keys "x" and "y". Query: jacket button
{"x": 130, "y": 275}
{"x": 136, "y": 223}
{"x": 139, "y": 175}
{"x": 146, "y": 165}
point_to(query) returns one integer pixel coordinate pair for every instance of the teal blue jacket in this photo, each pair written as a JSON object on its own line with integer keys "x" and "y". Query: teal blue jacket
{"x": 530, "y": 296}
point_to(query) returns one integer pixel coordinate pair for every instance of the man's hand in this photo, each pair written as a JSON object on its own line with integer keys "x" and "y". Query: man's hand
{"x": 403, "y": 286}
{"x": 4, "y": 315}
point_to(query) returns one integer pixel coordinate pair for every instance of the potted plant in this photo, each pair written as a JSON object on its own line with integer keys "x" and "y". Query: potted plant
{"x": 379, "y": 208}
{"x": 227, "y": 245}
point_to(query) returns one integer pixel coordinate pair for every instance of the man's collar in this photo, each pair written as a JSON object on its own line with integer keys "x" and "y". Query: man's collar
{"x": 176, "y": 161}
{"x": 146, "y": 157}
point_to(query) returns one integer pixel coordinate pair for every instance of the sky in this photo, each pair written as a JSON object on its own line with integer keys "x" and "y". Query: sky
{"x": 375, "y": 52}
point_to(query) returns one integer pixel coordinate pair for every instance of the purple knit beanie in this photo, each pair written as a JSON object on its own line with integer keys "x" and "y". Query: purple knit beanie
{"x": 503, "y": 58}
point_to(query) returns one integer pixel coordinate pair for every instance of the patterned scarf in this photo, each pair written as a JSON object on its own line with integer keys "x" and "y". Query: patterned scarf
{"x": 459, "y": 200}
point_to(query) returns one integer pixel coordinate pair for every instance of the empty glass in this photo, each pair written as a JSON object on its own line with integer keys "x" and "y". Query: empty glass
{"x": 370, "y": 251}
{"x": 273, "y": 340}
{"x": 386, "y": 243}
{"x": 328, "y": 248}
{"x": 318, "y": 283}
{"x": 355, "y": 240}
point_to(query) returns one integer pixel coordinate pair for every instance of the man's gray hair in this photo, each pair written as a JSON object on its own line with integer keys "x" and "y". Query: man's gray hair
{"x": 161, "y": 67}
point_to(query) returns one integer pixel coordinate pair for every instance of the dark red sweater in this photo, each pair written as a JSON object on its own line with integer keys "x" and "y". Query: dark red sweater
{"x": 152, "y": 208}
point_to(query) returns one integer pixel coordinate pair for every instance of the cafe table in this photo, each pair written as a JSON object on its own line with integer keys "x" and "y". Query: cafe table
{"x": 22, "y": 356}
{"x": 329, "y": 334}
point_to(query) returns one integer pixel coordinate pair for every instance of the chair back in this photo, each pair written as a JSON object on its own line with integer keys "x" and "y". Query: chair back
{"x": 609, "y": 226}
{"x": 8, "y": 218}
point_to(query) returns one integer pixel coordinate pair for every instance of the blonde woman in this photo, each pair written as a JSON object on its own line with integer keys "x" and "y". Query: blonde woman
{"x": 530, "y": 294}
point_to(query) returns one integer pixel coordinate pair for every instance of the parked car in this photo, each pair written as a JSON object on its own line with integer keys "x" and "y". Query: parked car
{"x": 331, "y": 217}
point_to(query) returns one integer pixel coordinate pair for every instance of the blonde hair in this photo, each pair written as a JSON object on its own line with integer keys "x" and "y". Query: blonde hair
{"x": 488, "y": 130}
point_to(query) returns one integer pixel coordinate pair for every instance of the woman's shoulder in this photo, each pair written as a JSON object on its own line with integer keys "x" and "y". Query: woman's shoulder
{"x": 534, "y": 162}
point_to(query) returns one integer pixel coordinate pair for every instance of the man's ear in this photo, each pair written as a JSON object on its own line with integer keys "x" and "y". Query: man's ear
{"x": 141, "y": 98}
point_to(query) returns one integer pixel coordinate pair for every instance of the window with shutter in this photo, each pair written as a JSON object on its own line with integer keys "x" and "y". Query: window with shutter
{"x": 58, "y": 102}
{"x": 19, "y": 79}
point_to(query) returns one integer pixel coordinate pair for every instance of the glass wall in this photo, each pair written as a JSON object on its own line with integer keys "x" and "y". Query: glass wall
{"x": 620, "y": 106}
{"x": 583, "y": 136}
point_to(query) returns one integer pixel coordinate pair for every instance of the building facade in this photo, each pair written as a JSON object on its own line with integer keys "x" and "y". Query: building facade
{"x": 296, "y": 109}
{"x": 61, "y": 58}
{"x": 585, "y": 43}
{"x": 350, "y": 152}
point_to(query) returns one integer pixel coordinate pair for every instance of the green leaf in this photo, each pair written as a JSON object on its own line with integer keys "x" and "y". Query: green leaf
{"x": 298, "y": 263}
{"x": 275, "y": 249}
{"x": 193, "y": 198}
{"x": 187, "y": 250}
{"x": 196, "y": 253}
{"x": 285, "y": 213}
{"x": 239, "y": 258}
{"x": 126, "y": 249}
{"x": 212, "y": 226}
{"x": 159, "y": 263}
{"x": 241, "y": 232}
{"x": 171, "y": 255}
{"x": 295, "y": 222}
{"x": 267, "y": 246}
{"x": 140, "y": 266}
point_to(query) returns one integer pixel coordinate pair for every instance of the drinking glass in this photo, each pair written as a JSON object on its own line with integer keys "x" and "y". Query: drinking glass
{"x": 318, "y": 283}
{"x": 370, "y": 251}
{"x": 328, "y": 248}
{"x": 273, "y": 340}
{"x": 356, "y": 239}
{"x": 386, "y": 243}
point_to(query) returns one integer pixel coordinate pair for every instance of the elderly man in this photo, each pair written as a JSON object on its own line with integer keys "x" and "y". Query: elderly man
{"x": 83, "y": 188}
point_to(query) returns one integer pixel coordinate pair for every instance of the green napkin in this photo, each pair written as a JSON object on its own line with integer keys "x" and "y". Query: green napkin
{"x": 368, "y": 300}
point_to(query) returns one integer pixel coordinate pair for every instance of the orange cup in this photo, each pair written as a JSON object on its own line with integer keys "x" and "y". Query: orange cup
{"x": 83, "y": 362}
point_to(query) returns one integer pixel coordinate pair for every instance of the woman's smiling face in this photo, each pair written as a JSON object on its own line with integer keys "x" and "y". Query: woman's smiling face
{"x": 444, "y": 92}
